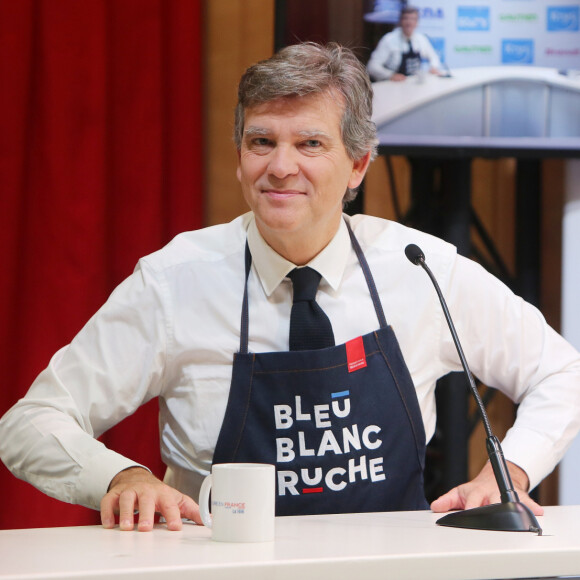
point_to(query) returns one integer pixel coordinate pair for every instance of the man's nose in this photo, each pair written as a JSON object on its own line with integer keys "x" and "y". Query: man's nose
{"x": 283, "y": 162}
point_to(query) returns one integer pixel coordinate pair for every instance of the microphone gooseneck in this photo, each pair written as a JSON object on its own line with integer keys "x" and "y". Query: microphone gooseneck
{"x": 510, "y": 514}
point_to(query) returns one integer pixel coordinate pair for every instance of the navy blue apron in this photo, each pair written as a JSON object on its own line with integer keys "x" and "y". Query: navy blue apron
{"x": 410, "y": 62}
{"x": 341, "y": 424}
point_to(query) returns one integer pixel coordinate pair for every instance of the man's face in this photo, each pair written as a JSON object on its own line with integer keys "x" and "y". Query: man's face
{"x": 409, "y": 22}
{"x": 294, "y": 169}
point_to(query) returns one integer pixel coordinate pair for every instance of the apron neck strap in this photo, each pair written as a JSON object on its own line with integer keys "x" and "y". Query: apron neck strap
{"x": 245, "y": 318}
{"x": 368, "y": 277}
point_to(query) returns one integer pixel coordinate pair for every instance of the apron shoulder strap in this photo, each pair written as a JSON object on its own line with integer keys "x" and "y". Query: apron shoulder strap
{"x": 244, "y": 324}
{"x": 368, "y": 277}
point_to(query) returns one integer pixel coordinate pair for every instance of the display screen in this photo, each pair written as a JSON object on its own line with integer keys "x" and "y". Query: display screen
{"x": 472, "y": 33}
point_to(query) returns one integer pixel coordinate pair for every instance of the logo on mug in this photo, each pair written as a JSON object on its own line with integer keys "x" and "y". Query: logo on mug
{"x": 473, "y": 18}
{"x": 563, "y": 18}
{"x": 517, "y": 51}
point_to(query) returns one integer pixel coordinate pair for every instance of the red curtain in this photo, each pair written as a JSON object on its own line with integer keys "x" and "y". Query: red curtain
{"x": 100, "y": 163}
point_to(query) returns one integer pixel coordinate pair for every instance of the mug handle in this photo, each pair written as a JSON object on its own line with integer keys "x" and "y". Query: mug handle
{"x": 204, "y": 510}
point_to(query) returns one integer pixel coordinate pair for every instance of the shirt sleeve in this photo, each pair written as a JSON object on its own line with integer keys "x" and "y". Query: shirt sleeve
{"x": 383, "y": 62}
{"x": 428, "y": 52}
{"x": 114, "y": 365}
{"x": 509, "y": 346}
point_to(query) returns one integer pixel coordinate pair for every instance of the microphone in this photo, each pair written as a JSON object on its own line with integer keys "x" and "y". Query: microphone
{"x": 510, "y": 514}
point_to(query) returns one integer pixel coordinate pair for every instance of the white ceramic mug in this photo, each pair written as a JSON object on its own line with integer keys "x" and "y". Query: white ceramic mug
{"x": 242, "y": 502}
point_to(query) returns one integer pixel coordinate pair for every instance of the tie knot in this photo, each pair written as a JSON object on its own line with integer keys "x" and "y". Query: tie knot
{"x": 305, "y": 283}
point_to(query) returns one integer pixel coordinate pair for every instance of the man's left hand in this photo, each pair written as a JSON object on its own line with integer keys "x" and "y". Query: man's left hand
{"x": 483, "y": 490}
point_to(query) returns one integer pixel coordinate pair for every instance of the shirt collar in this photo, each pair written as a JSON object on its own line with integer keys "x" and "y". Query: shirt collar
{"x": 273, "y": 268}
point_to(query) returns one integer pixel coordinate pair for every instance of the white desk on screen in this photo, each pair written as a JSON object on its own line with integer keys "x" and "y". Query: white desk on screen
{"x": 402, "y": 545}
{"x": 488, "y": 108}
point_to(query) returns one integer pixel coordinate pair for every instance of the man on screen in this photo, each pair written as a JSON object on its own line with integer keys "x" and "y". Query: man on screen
{"x": 400, "y": 53}
{"x": 294, "y": 335}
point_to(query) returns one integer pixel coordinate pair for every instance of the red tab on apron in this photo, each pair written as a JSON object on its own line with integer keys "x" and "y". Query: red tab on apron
{"x": 355, "y": 354}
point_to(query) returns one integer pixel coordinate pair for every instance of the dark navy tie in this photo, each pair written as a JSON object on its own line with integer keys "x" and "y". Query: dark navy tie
{"x": 310, "y": 328}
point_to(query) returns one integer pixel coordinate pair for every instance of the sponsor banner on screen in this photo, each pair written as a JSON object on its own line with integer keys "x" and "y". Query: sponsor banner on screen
{"x": 431, "y": 13}
{"x": 432, "y": 16}
{"x": 517, "y": 51}
{"x": 562, "y": 18}
{"x": 438, "y": 43}
{"x": 518, "y": 17}
{"x": 473, "y": 18}
{"x": 503, "y": 32}
{"x": 473, "y": 48}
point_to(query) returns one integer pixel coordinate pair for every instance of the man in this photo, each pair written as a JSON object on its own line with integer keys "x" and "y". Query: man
{"x": 400, "y": 52}
{"x": 208, "y": 325}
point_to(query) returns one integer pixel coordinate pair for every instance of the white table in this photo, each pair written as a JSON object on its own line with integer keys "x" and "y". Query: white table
{"x": 352, "y": 546}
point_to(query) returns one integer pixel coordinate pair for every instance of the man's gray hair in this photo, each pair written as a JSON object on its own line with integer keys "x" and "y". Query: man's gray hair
{"x": 309, "y": 68}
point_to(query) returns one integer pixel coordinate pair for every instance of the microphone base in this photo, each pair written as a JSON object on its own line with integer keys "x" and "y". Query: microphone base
{"x": 507, "y": 517}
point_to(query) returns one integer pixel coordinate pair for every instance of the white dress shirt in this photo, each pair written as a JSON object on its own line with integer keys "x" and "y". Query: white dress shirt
{"x": 386, "y": 58}
{"x": 171, "y": 330}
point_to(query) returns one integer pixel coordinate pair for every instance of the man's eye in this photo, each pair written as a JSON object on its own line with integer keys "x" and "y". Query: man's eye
{"x": 261, "y": 142}
{"x": 313, "y": 143}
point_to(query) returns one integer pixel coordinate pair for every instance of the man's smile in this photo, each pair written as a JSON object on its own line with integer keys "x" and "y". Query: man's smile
{"x": 282, "y": 193}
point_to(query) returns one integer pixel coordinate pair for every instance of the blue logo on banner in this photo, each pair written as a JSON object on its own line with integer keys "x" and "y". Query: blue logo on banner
{"x": 517, "y": 51}
{"x": 473, "y": 18}
{"x": 563, "y": 18}
{"x": 429, "y": 13}
{"x": 438, "y": 44}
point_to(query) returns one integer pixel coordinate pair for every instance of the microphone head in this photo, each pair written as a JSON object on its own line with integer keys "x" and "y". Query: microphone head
{"x": 414, "y": 254}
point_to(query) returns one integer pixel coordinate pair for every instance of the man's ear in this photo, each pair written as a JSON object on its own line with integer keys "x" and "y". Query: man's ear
{"x": 359, "y": 169}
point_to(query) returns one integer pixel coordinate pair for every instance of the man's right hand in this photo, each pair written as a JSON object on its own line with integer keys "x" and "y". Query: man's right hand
{"x": 136, "y": 489}
{"x": 398, "y": 77}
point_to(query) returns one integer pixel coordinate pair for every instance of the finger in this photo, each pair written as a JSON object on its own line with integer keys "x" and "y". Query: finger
{"x": 172, "y": 514}
{"x": 126, "y": 509}
{"x": 536, "y": 508}
{"x": 189, "y": 509}
{"x": 448, "y": 501}
{"x": 476, "y": 498}
{"x": 108, "y": 511}
{"x": 146, "y": 512}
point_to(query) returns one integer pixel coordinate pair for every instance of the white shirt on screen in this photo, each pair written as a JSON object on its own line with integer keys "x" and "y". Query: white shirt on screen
{"x": 171, "y": 329}
{"x": 386, "y": 58}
